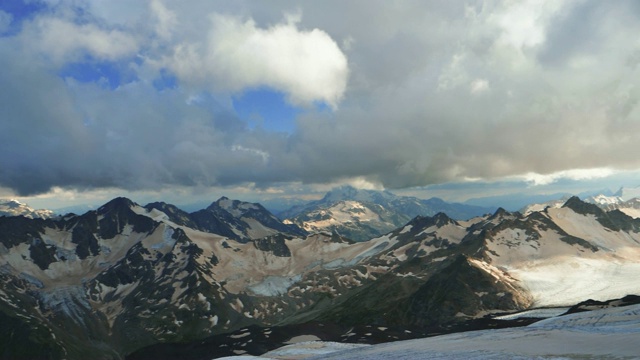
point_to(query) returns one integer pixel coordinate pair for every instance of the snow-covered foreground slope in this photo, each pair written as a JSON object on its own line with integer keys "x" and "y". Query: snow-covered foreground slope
{"x": 609, "y": 333}
{"x": 300, "y": 350}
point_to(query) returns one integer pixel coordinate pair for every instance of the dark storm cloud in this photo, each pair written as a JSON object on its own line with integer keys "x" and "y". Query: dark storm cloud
{"x": 435, "y": 92}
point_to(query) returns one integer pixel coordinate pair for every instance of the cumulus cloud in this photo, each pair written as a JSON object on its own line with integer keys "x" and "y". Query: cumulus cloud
{"x": 573, "y": 174}
{"x": 166, "y": 19}
{"x": 524, "y": 23}
{"x": 474, "y": 95}
{"x": 64, "y": 40}
{"x": 306, "y": 65}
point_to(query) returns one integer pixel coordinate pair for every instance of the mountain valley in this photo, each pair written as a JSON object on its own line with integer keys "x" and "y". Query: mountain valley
{"x": 126, "y": 279}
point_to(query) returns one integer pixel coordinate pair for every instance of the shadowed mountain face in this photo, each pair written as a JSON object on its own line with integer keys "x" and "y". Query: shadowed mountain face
{"x": 234, "y": 219}
{"x": 125, "y": 277}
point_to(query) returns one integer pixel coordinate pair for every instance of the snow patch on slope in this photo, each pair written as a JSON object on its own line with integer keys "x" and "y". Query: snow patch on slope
{"x": 553, "y": 204}
{"x": 569, "y": 280}
{"x": 604, "y": 200}
{"x": 274, "y": 285}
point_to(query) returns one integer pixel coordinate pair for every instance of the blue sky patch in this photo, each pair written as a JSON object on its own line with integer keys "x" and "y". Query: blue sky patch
{"x": 20, "y": 11}
{"x": 108, "y": 74}
{"x": 267, "y": 109}
{"x": 166, "y": 80}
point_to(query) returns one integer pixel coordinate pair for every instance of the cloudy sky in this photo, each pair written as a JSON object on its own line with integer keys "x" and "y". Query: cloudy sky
{"x": 183, "y": 100}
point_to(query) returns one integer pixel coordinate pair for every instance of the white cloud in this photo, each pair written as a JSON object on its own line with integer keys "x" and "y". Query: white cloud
{"x": 363, "y": 183}
{"x": 453, "y": 73}
{"x": 63, "y": 40}
{"x": 255, "y": 152}
{"x": 166, "y": 19}
{"x": 523, "y": 23}
{"x": 479, "y": 86}
{"x": 121, "y": 13}
{"x": 574, "y": 174}
{"x": 307, "y": 66}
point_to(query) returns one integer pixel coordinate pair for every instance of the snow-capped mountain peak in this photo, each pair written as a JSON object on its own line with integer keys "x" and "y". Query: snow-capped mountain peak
{"x": 627, "y": 201}
{"x": 342, "y": 213}
{"x": 604, "y": 200}
{"x": 348, "y": 192}
{"x": 236, "y": 207}
{"x": 13, "y": 207}
{"x": 531, "y": 208}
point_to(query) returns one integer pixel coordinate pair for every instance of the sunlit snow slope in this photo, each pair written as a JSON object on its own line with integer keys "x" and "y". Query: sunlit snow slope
{"x": 602, "y": 334}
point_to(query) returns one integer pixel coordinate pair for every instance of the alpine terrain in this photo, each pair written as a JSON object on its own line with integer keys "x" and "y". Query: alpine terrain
{"x": 364, "y": 214}
{"x": 621, "y": 200}
{"x": 16, "y": 208}
{"x": 154, "y": 281}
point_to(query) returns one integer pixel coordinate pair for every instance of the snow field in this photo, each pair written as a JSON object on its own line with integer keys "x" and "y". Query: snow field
{"x": 607, "y": 333}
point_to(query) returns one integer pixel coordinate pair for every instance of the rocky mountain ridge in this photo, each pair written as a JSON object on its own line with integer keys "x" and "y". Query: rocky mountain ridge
{"x": 628, "y": 205}
{"x": 365, "y": 214}
{"x": 123, "y": 277}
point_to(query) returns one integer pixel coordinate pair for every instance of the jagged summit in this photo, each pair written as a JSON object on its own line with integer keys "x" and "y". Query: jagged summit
{"x": 574, "y": 203}
{"x": 438, "y": 220}
{"x": 441, "y": 219}
{"x": 223, "y": 202}
{"x": 173, "y": 213}
{"x": 117, "y": 204}
{"x": 241, "y": 221}
{"x": 235, "y": 207}
{"x": 500, "y": 213}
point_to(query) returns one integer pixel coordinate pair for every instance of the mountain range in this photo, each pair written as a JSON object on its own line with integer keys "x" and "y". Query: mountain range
{"x": 626, "y": 204}
{"x": 519, "y": 200}
{"x": 364, "y": 214}
{"x": 127, "y": 279}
